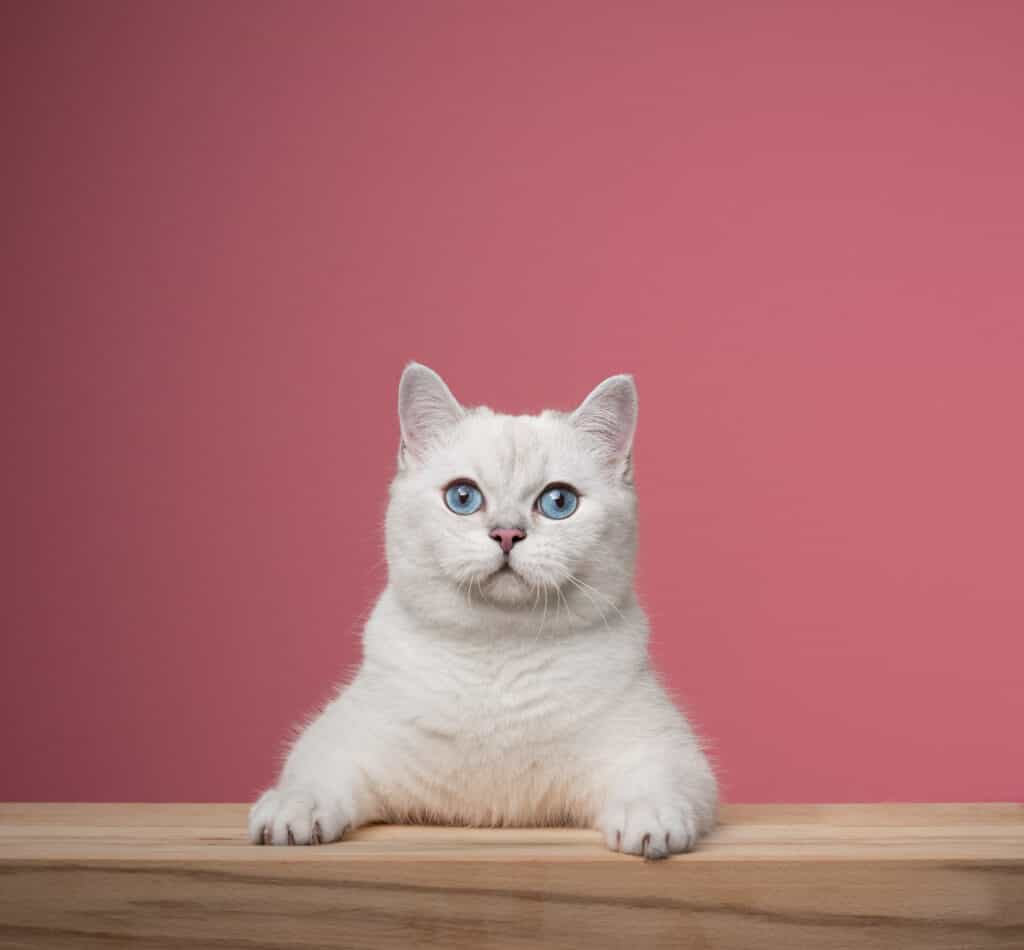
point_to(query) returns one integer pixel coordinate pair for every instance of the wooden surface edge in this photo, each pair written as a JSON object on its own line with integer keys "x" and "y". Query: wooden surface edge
{"x": 873, "y": 877}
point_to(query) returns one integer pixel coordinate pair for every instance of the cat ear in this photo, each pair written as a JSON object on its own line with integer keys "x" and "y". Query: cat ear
{"x": 609, "y": 414}
{"x": 426, "y": 410}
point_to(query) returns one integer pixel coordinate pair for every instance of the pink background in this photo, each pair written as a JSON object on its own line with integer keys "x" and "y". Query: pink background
{"x": 228, "y": 225}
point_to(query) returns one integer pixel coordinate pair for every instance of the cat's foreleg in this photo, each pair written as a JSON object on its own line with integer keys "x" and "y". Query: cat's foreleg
{"x": 660, "y": 800}
{"x": 321, "y": 792}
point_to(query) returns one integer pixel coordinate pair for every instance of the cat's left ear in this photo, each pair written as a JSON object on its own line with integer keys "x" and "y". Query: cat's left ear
{"x": 426, "y": 411}
{"x": 609, "y": 415}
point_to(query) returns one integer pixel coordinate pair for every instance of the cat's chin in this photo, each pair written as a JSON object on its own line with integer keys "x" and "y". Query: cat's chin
{"x": 508, "y": 589}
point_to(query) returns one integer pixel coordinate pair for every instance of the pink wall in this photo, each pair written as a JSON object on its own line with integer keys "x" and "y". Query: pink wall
{"x": 229, "y": 225}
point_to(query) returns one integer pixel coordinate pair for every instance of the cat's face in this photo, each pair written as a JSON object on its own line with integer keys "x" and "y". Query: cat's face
{"x": 510, "y": 512}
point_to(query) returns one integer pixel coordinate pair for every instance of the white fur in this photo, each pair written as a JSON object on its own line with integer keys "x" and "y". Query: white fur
{"x": 522, "y": 697}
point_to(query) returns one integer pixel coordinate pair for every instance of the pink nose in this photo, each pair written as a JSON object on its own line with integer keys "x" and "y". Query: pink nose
{"x": 506, "y": 537}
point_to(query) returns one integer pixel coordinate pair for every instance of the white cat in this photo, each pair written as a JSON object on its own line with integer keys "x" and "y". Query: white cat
{"x": 505, "y": 677}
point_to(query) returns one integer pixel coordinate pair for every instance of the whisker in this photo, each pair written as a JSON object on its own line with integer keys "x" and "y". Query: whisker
{"x": 543, "y": 618}
{"x": 569, "y": 614}
{"x": 583, "y": 590}
{"x": 602, "y": 597}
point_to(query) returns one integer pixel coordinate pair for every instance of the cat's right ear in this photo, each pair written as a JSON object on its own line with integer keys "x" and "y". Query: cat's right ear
{"x": 608, "y": 416}
{"x": 426, "y": 410}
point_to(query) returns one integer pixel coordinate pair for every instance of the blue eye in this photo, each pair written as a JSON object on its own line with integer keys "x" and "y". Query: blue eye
{"x": 463, "y": 498}
{"x": 557, "y": 501}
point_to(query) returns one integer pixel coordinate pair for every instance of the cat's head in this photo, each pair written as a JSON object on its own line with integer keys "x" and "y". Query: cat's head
{"x": 508, "y": 512}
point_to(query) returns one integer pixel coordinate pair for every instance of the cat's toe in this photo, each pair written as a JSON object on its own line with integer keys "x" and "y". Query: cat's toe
{"x": 611, "y": 824}
{"x": 682, "y": 828}
{"x": 643, "y": 833}
{"x": 260, "y": 817}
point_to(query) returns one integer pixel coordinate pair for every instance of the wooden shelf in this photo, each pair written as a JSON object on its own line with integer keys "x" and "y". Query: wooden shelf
{"x": 772, "y": 876}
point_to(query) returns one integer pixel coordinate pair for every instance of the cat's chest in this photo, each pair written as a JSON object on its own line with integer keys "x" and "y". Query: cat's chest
{"x": 506, "y": 699}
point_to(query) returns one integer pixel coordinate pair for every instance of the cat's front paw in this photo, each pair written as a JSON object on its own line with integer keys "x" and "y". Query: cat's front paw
{"x": 296, "y": 815}
{"x": 651, "y": 830}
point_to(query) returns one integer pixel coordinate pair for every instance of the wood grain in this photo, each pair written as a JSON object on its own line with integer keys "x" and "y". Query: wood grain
{"x": 772, "y": 876}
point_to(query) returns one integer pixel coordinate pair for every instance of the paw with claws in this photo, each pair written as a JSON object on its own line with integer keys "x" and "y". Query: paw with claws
{"x": 296, "y": 815}
{"x": 649, "y": 829}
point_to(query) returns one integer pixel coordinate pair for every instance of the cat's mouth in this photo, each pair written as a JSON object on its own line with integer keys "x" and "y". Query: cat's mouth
{"x": 506, "y": 570}
{"x": 506, "y": 584}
